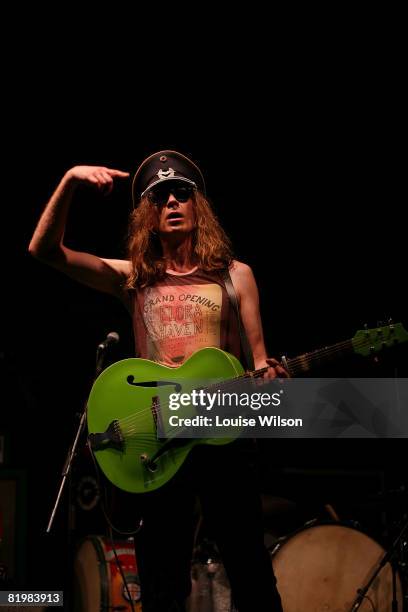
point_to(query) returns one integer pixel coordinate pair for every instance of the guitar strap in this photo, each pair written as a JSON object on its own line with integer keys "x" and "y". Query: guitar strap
{"x": 246, "y": 349}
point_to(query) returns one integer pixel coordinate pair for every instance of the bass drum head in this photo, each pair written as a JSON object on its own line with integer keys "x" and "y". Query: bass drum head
{"x": 98, "y": 584}
{"x": 320, "y": 567}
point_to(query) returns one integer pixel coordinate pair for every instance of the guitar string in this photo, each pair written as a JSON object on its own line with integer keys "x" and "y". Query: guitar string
{"x": 139, "y": 442}
{"x": 308, "y": 357}
{"x": 317, "y": 354}
{"x": 227, "y": 381}
{"x": 132, "y": 424}
{"x": 364, "y": 340}
{"x": 134, "y": 418}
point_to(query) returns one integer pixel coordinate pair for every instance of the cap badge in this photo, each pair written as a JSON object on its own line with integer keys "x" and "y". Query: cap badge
{"x": 164, "y": 174}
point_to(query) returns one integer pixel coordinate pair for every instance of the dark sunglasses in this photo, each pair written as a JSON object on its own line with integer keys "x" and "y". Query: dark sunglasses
{"x": 160, "y": 195}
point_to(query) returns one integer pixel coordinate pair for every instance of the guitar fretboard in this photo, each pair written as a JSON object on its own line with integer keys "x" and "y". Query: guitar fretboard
{"x": 304, "y": 363}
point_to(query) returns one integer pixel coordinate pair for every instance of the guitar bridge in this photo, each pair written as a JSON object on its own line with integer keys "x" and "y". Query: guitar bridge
{"x": 111, "y": 438}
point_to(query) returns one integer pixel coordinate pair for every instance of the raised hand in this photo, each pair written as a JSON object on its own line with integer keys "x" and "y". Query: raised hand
{"x": 98, "y": 176}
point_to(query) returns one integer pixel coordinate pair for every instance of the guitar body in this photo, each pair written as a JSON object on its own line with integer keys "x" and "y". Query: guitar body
{"x": 119, "y": 395}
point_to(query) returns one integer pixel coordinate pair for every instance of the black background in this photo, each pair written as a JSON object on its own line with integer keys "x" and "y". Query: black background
{"x": 306, "y": 176}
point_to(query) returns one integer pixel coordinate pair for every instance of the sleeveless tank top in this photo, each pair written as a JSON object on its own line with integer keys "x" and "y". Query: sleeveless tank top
{"x": 182, "y": 313}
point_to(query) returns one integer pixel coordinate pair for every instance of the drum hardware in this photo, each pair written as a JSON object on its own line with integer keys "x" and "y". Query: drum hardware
{"x": 391, "y": 557}
{"x": 332, "y": 513}
{"x": 210, "y": 588}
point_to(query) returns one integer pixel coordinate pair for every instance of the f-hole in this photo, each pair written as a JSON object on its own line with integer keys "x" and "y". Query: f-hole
{"x": 154, "y": 383}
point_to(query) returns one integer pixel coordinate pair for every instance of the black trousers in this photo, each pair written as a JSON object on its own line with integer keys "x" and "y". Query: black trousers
{"x": 225, "y": 480}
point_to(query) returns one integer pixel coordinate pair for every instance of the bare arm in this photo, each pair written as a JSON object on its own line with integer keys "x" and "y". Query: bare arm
{"x": 248, "y": 297}
{"x": 47, "y": 242}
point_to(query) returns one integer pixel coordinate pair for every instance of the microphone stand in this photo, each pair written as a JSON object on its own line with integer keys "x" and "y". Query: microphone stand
{"x": 66, "y": 473}
{"x": 100, "y": 354}
{"x": 388, "y": 557}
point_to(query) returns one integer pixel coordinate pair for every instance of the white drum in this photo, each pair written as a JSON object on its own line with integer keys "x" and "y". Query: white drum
{"x": 320, "y": 568}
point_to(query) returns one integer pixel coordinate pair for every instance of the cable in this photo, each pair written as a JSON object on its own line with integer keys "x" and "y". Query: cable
{"x": 103, "y": 489}
{"x": 112, "y": 528}
{"x": 119, "y": 565}
{"x": 371, "y": 602}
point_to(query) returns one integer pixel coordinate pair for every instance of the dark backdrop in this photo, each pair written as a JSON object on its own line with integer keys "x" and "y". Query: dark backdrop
{"x": 309, "y": 189}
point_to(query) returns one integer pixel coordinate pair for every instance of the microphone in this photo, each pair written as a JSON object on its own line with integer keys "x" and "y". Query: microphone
{"x": 111, "y": 338}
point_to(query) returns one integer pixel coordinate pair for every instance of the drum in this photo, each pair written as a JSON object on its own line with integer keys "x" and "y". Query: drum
{"x": 321, "y": 566}
{"x": 98, "y": 584}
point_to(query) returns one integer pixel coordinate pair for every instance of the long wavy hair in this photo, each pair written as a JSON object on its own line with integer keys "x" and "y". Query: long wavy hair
{"x": 211, "y": 246}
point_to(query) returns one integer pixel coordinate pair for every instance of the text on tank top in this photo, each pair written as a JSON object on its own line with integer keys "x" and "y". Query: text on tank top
{"x": 181, "y": 314}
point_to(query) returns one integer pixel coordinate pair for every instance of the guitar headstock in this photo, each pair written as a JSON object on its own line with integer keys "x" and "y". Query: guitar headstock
{"x": 370, "y": 341}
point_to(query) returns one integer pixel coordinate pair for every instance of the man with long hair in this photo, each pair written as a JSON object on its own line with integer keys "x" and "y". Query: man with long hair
{"x": 174, "y": 285}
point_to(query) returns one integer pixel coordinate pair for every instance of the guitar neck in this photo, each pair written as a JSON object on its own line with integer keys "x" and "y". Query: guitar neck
{"x": 364, "y": 343}
{"x": 306, "y": 362}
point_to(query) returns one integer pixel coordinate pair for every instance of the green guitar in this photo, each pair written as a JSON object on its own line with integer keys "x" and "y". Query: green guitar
{"x": 130, "y": 399}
